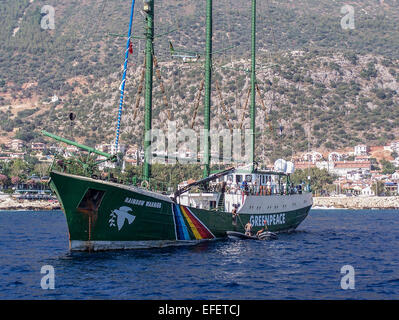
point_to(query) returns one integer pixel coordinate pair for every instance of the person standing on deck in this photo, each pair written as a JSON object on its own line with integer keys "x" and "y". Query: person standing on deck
{"x": 244, "y": 186}
{"x": 234, "y": 215}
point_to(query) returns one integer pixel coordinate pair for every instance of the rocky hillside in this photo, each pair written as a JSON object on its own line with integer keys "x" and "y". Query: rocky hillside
{"x": 327, "y": 87}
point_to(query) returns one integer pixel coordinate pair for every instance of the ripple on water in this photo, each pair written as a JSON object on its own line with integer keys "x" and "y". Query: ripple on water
{"x": 304, "y": 264}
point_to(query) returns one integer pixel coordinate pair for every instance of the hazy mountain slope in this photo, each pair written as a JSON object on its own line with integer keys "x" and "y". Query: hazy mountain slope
{"x": 337, "y": 95}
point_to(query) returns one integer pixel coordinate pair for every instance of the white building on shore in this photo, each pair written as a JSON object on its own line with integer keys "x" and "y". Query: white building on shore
{"x": 367, "y": 191}
{"x": 361, "y": 150}
{"x": 342, "y": 168}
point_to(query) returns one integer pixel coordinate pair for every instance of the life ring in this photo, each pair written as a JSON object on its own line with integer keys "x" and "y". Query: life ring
{"x": 145, "y": 184}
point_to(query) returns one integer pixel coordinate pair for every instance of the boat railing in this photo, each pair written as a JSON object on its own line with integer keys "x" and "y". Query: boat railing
{"x": 71, "y": 167}
{"x": 265, "y": 190}
{"x": 154, "y": 185}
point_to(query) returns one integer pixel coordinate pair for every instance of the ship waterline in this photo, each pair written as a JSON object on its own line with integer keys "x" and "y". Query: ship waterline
{"x": 103, "y": 215}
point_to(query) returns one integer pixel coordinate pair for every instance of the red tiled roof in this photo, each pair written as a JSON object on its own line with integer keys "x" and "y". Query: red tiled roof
{"x": 352, "y": 164}
{"x": 304, "y": 165}
{"x": 376, "y": 148}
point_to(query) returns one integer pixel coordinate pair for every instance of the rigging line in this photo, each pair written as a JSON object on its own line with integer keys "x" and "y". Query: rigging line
{"x": 72, "y": 70}
{"x": 274, "y": 44}
{"x": 245, "y": 108}
{"x": 230, "y": 40}
{"x": 122, "y": 87}
{"x": 161, "y": 84}
{"x": 231, "y": 34}
{"x": 264, "y": 107}
{"x": 271, "y": 25}
{"x": 196, "y": 106}
{"x": 65, "y": 49}
{"x": 89, "y": 31}
{"x": 226, "y": 33}
{"x": 309, "y": 129}
{"x": 139, "y": 90}
{"x": 224, "y": 109}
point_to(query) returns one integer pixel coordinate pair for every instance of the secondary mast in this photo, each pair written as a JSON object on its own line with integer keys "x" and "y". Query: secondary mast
{"x": 208, "y": 88}
{"x": 149, "y": 51}
{"x": 253, "y": 85}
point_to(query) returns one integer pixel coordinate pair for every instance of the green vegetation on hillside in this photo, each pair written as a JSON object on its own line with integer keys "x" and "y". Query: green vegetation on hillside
{"x": 326, "y": 86}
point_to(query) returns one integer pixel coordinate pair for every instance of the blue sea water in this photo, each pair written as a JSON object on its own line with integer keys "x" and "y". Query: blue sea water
{"x": 305, "y": 264}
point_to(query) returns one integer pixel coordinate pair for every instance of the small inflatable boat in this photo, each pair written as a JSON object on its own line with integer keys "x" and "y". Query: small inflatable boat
{"x": 267, "y": 235}
{"x": 234, "y": 235}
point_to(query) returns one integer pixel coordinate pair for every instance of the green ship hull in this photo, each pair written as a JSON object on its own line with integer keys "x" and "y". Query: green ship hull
{"x": 102, "y": 215}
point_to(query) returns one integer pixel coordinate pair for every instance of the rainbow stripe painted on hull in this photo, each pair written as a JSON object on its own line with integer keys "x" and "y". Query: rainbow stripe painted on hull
{"x": 195, "y": 230}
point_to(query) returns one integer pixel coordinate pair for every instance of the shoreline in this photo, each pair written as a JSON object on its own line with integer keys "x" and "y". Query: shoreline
{"x": 356, "y": 203}
{"x": 7, "y": 203}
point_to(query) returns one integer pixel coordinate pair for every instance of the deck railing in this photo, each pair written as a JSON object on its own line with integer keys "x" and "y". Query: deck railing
{"x": 263, "y": 190}
{"x": 70, "y": 167}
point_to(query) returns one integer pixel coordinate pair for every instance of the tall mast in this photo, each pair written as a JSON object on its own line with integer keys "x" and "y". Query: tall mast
{"x": 208, "y": 78}
{"x": 149, "y": 10}
{"x": 253, "y": 83}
